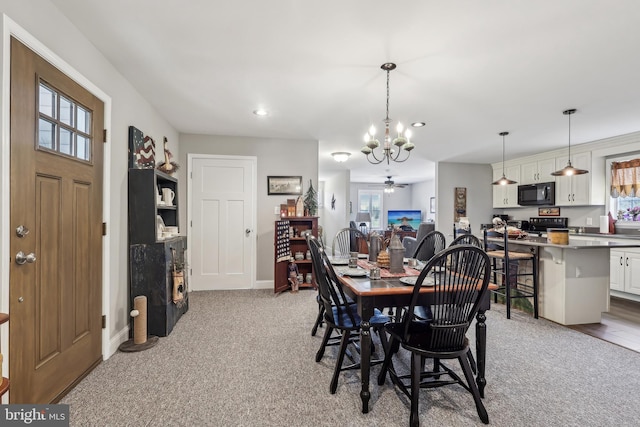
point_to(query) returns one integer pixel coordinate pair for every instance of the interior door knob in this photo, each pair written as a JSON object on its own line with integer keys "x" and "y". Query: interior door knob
{"x": 21, "y": 258}
{"x": 247, "y": 231}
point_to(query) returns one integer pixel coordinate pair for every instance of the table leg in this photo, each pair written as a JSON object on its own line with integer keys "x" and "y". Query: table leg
{"x": 366, "y": 312}
{"x": 481, "y": 349}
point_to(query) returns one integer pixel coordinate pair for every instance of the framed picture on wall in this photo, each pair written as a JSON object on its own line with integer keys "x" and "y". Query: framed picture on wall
{"x": 432, "y": 205}
{"x": 284, "y": 185}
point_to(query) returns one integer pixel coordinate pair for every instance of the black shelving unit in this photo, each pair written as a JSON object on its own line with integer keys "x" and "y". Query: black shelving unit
{"x": 151, "y": 257}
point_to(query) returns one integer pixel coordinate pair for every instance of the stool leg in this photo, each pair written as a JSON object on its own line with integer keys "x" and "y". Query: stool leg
{"x": 534, "y": 267}
{"x": 494, "y": 265}
{"x": 507, "y": 285}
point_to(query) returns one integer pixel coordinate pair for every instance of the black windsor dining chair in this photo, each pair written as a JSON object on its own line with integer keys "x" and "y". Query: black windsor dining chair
{"x": 430, "y": 245}
{"x": 466, "y": 239}
{"x": 340, "y": 313}
{"x": 459, "y": 276}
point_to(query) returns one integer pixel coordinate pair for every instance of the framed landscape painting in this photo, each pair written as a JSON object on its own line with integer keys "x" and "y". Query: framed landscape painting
{"x": 284, "y": 185}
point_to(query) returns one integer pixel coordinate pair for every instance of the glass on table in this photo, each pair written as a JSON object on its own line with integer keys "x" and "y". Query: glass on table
{"x": 374, "y": 272}
{"x": 353, "y": 259}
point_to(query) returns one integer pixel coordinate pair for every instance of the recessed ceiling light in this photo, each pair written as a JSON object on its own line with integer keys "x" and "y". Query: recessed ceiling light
{"x": 418, "y": 124}
{"x": 260, "y": 112}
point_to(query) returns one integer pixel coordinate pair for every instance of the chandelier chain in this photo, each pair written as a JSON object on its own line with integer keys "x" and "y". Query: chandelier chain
{"x": 388, "y": 94}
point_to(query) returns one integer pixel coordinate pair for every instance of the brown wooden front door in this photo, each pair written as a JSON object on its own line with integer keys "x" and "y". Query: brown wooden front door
{"x": 56, "y": 195}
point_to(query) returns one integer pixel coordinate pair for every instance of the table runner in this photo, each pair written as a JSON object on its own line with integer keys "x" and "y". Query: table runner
{"x": 384, "y": 272}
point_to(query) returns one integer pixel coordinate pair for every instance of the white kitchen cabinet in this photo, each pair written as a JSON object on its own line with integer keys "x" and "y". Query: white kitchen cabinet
{"x": 624, "y": 271}
{"x": 537, "y": 171}
{"x": 616, "y": 270}
{"x": 506, "y": 196}
{"x": 574, "y": 190}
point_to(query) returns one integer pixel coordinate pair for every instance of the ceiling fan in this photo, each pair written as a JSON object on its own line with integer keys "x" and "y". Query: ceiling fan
{"x": 390, "y": 185}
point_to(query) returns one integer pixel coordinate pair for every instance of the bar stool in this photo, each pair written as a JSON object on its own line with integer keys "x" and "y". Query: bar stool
{"x": 513, "y": 282}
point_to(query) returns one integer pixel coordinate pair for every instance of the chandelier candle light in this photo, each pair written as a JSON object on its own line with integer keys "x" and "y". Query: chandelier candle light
{"x": 504, "y": 180}
{"x": 402, "y": 141}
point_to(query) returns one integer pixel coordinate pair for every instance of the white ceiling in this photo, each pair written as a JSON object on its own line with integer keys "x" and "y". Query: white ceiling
{"x": 468, "y": 68}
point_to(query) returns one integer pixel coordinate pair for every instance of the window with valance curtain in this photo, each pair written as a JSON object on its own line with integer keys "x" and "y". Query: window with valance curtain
{"x": 625, "y": 179}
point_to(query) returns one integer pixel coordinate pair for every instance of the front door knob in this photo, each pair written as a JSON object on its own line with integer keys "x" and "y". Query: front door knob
{"x": 21, "y": 258}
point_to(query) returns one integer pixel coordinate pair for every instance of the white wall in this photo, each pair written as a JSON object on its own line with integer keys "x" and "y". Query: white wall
{"x": 421, "y": 193}
{"x": 332, "y": 220}
{"x": 41, "y": 21}
{"x": 477, "y": 180}
{"x": 286, "y": 157}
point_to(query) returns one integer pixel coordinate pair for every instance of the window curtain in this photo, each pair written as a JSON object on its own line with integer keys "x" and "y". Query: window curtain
{"x": 625, "y": 179}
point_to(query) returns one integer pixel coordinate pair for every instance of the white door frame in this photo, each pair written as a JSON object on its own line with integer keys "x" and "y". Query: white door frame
{"x": 254, "y": 199}
{"x": 9, "y": 29}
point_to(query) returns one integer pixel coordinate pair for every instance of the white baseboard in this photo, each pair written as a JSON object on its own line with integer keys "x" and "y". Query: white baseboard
{"x": 264, "y": 284}
{"x": 115, "y": 342}
{"x": 625, "y": 295}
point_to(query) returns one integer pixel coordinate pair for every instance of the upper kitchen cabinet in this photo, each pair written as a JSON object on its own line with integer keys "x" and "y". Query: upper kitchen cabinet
{"x": 574, "y": 190}
{"x": 506, "y": 196}
{"x": 537, "y": 171}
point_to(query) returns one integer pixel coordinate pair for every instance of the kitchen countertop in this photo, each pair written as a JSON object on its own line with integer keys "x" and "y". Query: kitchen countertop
{"x": 608, "y": 236}
{"x": 596, "y": 242}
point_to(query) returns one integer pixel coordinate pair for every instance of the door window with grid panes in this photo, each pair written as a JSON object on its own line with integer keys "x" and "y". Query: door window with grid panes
{"x": 64, "y": 126}
{"x": 371, "y": 201}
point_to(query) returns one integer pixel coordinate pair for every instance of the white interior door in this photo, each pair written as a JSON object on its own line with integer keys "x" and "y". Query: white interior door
{"x": 222, "y": 193}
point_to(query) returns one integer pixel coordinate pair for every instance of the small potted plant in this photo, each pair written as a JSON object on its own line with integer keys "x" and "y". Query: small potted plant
{"x": 634, "y": 212}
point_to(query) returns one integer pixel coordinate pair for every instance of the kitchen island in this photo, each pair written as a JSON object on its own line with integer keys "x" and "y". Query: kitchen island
{"x": 574, "y": 278}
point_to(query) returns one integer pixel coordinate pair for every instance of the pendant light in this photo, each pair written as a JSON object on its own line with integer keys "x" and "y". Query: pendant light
{"x": 569, "y": 169}
{"x": 504, "y": 180}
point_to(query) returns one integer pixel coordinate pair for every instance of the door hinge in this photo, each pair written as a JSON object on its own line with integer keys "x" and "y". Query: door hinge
{"x": 104, "y": 321}
{"x": 104, "y": 228}
{"x": 104, "y": 135}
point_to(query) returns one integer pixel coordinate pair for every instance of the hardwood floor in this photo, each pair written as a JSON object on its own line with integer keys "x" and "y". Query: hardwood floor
{"x": 621, "y": 325}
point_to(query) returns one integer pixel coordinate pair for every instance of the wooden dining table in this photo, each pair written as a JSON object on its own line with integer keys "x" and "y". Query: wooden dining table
{"x": 391, "y": 292}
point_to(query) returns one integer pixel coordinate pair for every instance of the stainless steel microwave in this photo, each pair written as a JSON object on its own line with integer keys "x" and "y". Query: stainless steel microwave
{"x": 537, "y": 194}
